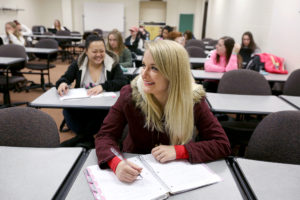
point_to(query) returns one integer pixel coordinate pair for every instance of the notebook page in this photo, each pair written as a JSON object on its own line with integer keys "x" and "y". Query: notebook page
{"x": 112, "y": 188}
{"x": 105, "y": 94}
{"x": 180, "y": 175}
{"x": 75, "y": 93}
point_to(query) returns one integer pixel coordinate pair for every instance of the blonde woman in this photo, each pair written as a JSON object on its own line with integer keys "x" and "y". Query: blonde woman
{"x": 13, "y": 36}
{"x": 115, "y": 44}
{"x": 161, "y": 107}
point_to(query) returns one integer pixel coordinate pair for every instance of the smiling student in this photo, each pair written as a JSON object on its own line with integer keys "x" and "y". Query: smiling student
{"x": 97, "y": 70}
{"x": 161, "y": 107}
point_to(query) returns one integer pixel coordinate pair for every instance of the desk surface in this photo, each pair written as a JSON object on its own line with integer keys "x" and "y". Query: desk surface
{"x": 40, "y": 50}
{"x": 201, "y": 74}
{"x": 50, "y": 99}
{"x": 197, "y": 60}
{"x": 270, "y": 180}
{"x": 10, "y": 61}
{"x": 131, "y": 71}
{"x": 71, "y": 37}
{"x": 246, "y": 104}
{"x": 226, "y": 189}
{"x": 34, "y": 173}
{"x": 294, "y": 100}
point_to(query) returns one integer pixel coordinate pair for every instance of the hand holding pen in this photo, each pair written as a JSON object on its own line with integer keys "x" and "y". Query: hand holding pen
{"x": 126, "y": 171}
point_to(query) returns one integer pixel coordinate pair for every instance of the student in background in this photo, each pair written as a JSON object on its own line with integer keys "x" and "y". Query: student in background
{"x": 165, "y": 31}
{"x": 134, "y": 42}
{"x": 177, "y": 37}
{"x": 248, "y": 48}
{"x": 12, "y": 36}
{"x": 159, "y": 36}
{"x": 188, "y": 35}
{"x": 97, "y": 70}
{"x": 57, "y": 25}
{"x": 143, "y": 33}
{"x": 25, "y": 31}
{"x": 115, "y": 44}
{"x": 224, "y": 58}
{"x": 154, "y": 126}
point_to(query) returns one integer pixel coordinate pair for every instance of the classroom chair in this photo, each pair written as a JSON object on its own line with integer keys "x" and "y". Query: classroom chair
{"x": 196, "y": 52}
{"x": 64, "y": 44}
{"x": 276, "y": 138}
{"x": 246, "y": 82}
{"x": 292, "y": 84}
{"x": 195, "y": 43}
{"x": 37, "y": 66}
{"x": 38, "y": 30}
{"x": 27, "y": 127}
{"x": 11, "y": 77}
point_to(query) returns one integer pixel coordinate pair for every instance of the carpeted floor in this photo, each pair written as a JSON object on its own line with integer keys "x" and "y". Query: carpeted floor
{"x": 56, "y": 114}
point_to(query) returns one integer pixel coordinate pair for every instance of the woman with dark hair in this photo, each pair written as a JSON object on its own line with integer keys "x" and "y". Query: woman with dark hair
{"x": 188, "y": 35}
{"x": 97, "y": 70}
{"x": 224, "y": 58}
{"x": 248, "y": 48}
{"x": 165, "y": 31}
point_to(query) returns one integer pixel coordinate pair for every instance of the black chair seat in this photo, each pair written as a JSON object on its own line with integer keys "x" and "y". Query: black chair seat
{"x": 37, "y": 66}
{"x": 11, "y": 80}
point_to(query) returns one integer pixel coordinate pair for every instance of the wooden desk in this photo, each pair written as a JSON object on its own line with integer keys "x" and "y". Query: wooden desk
{"x": 246, "y": 104}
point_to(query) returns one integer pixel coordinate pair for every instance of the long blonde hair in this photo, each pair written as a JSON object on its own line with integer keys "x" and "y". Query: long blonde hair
{"x": 16, "y": 32}
{"x": 119, "y": 39}
{"x": 177, "y": 117}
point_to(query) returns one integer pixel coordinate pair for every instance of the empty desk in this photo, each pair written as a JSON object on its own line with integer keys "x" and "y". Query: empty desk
{"x": 50, "y": 99}
{"x": 197, "y": 61}
{"x": 34, "y": 173}
{"x": 246, "y": 104}
{"x": 269, "y": 180}
{"x": 226, "y": 189}
{"x": 294, "y": 100}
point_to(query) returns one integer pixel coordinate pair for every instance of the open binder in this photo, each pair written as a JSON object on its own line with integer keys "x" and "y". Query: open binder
{"x": 158, "y": 182}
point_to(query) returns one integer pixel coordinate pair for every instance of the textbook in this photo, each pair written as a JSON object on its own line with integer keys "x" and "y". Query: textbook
{"x": 158, "y": 180}
{"x": 79, "y": 93}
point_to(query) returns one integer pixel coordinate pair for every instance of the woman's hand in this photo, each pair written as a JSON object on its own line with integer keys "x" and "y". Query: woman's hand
{"x": 63, "y": 89}
{"x": 127, "y": 171}
{"x": 164, "y": 153}
{"x": 95, "y": 90}
{"x": 236, "y": 48}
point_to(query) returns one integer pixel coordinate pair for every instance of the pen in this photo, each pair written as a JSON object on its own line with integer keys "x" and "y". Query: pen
{"x": 114, "y": 151}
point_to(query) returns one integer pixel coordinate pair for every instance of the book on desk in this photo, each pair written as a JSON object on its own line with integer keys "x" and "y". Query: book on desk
{"x": 158, "y": 182}
{"x": 80, "y": 93}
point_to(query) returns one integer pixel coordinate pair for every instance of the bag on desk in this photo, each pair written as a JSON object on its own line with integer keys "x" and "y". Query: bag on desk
{"x": 273, "y": 64}
{"x": 255, "y": 64}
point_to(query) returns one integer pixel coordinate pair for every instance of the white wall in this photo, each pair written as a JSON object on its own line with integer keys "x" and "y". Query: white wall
{"x": 152, "y": 11}
{"x": 36, "y": 12}
{"x": 274, "y": 24}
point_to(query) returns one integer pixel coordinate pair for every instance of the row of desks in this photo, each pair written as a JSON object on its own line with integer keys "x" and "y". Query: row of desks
{"x": 57, "y": 173}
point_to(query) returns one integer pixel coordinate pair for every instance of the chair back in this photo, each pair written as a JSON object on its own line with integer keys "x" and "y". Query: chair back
{"x": 196, "y": 43}
{"x": 276, "y": 138}
{"x": 46, "y": 43}
{"x": 38, "y": 29}
{"x": 292, "y": 84}
{"x": 13, "y": 51}
{"x": 244, "y": 81}
{"x": 196, "y": 52}
{"x": 27, "y": 127}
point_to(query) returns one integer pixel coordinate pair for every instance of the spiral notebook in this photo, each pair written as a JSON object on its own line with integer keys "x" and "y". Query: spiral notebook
{"x": 158, "y": 182}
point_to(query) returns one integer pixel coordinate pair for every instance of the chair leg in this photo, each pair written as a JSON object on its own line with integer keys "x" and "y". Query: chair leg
{"x": 43, "y": 80}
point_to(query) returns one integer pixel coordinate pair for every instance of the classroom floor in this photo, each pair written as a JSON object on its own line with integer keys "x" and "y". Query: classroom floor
{"x": 56, "y": 114}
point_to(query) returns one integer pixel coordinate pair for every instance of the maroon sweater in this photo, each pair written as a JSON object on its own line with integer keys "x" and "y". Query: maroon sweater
{"x": 213, "y": 142}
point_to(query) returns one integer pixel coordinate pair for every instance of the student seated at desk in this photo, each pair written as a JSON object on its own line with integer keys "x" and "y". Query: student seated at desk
{"x": 161, "y": 107}
{"x": 115, "y": 44}
{"x": 248, "y": 48}
{"x": 12, "y": 35}
{"x": 97, "y": 70}
{"x": 224, "y": 58}
{"x": 134, "y": 42}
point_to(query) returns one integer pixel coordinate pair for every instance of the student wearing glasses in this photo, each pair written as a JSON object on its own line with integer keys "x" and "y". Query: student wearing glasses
{"x": 161, "y": 107}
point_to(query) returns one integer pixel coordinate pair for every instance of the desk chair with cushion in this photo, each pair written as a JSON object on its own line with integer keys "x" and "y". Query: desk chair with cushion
{"x": 196, "y": 52}
{"x": 195, "y": 43}
{"x": 27, "y": 127}
{"x": 292, "y": 84}
{"x": 37, "y": 66}
{"x": 11, "y": 78}
{"x": 39, "y": 30}
{"x": 246, "y": 82}
{"x": 276, "y": 138}
{"x": 64, "y": 44}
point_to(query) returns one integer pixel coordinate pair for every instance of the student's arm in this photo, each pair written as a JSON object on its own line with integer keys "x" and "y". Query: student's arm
{"x": 213, "y": 143}
{"x": 117, "y": 81}
{"x": 69, "y": 76}
{"x": 232, "y": 63}
{"x": 211, "y": 65}
{"x": 15, "y": 40}
{"x": 26, "y": 30}
{"x": 126, "y": 58}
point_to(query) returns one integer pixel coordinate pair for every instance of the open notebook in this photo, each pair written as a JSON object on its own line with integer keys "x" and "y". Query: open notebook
{"x": 79, "y": 93}
{"x": 158, "y": 182}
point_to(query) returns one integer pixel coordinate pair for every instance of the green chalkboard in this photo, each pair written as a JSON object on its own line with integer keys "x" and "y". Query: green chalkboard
{"x": 186, "y": 22}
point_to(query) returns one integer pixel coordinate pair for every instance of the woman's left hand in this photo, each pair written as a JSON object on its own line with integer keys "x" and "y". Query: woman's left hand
{"x": 95, "y": 90}
{"x": 164, "y": 153}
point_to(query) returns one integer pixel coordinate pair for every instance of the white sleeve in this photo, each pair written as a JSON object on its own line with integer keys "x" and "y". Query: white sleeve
{"x": 141, "y": 44}
{"x": 25, "y": 30}
{"x": 15, "y": 40}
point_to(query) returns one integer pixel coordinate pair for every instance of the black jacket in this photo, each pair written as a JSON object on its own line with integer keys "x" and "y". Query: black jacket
{"x": 115, "y": 79}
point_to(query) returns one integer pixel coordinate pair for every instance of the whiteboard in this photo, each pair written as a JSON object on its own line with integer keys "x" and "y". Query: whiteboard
{"x": 106, "y": 16}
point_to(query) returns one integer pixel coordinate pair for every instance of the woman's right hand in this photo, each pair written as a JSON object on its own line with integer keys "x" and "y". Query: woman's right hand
{"x": 236, "y": 48}
{"x": 63, "y": 89}
{"x": 127, "y": 172}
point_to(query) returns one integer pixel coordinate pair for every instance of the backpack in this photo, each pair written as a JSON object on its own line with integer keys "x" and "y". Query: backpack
{"x": 255, "y": 64}
{"x": 273, "y": 64}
